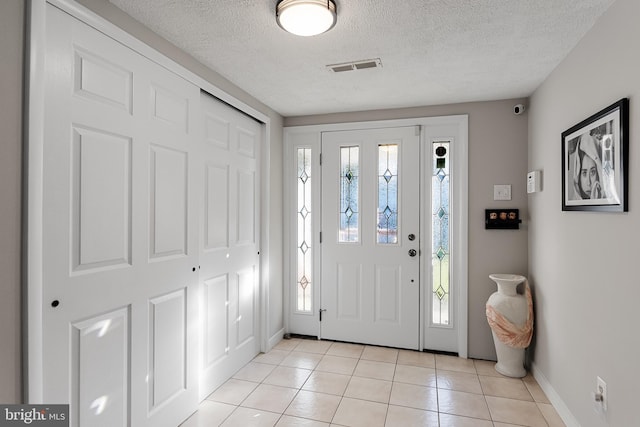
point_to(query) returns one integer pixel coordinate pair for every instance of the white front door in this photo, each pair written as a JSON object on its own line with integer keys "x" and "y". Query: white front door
{"x": 120, "y": 253}
{"x": 229, "y": 258}
{"x": 370, "y": 236}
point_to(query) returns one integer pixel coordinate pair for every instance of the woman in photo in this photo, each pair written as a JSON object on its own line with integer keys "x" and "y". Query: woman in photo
{"x": 587, "y": 169}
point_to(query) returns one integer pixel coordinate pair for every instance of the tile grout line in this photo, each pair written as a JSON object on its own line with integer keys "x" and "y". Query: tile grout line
{"x": 484, "y": 396}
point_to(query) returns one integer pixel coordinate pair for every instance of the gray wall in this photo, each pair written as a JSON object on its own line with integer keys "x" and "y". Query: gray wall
{"x": 497, "y": 155}
{"x": 11, "y": 30}
{"x": 583, "y": 264}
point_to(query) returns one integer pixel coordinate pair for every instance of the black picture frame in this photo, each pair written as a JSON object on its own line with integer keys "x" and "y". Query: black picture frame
{"x": 595, "y": 161}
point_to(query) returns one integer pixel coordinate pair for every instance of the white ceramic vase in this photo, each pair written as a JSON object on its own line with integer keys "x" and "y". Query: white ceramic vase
{"x": 513, "y": 306}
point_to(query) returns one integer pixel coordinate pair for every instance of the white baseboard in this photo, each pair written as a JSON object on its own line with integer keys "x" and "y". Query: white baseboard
{"x": 275, "y": 339}
{"x": 555, "y": 399}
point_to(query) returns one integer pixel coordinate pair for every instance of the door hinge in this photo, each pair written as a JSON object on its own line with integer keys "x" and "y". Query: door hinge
{"x": 320, "y": 312}
{"x": 320, "y": 159}
{"x": 321, "y": 237}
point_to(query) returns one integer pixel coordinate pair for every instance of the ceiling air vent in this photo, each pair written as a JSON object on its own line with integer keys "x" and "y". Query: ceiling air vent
{"x": 355, "y": 65}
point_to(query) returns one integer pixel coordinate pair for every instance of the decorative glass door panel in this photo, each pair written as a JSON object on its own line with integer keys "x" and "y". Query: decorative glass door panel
{"x": 387, "y": 194}
{"x": 440, "y": 253}
{"x": 349, "y": 194}
{"x": 304, "y": 249}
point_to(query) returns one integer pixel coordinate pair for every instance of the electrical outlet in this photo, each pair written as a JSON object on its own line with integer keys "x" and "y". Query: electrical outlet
{"x": 601, "y": 389}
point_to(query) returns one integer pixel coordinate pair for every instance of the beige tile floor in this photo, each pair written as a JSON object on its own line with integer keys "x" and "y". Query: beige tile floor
{"x": 322, "y": 383}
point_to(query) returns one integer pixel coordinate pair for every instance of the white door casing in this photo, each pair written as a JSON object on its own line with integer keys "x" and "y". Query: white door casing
{"x": 229, "y": 230}
{"x": 454, "y": 129}
{"x": 370, "y": 288}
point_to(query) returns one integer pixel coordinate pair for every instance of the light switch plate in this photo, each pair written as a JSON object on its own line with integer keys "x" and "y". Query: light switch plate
{"x": 502, "y": 192}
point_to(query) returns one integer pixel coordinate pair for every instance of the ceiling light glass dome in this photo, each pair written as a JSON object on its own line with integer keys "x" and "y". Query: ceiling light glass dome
{"x": 306, "y": 17}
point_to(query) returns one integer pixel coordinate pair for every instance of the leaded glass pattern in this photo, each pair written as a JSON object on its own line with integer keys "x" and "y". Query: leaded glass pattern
{"x": 387, "y": 194}
{"x": 349, "y": 194}
{"x": 304, "y": 244}
{"x": 440, "y": 260}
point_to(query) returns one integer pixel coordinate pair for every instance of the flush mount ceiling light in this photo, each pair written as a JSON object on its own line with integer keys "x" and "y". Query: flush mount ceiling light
{"x": 306, "y": 17}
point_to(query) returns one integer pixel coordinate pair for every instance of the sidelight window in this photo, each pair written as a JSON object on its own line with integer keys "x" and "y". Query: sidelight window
{"x": 304, "y": 239}
{"x": 440, "y": 254}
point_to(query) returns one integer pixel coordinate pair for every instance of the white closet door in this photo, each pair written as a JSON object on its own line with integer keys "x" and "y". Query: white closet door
{"x": 120, "y": 250}
{"x": 229, "y": 153}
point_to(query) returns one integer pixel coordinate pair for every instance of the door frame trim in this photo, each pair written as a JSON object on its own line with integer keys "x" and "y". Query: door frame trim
{"x": 459, "y": 239}
{"x": 32, "y": 181}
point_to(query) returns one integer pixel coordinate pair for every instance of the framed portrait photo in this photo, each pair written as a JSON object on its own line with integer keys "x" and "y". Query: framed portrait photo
{"x": 595, "y": 161}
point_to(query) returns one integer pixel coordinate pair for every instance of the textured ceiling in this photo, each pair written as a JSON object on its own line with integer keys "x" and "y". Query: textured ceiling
{"x": 432, "y": 51}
